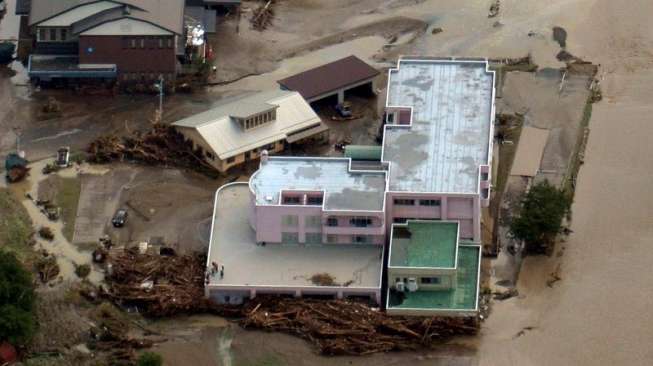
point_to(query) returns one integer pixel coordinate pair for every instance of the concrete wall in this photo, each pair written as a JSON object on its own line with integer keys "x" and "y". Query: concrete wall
{"x": 447, "y": 277}
{"x": 218, "y": 293}
{"x": 462, "y": 208}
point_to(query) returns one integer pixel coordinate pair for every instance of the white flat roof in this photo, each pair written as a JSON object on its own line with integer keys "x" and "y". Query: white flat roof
{"x": 225, "y": 136}
{"x": 344, "y": 188}
{"x": 449, "y": 138}
{"x": 233, "y": 245}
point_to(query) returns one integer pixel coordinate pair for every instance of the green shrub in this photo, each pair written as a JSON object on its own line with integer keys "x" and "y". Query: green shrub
{"x": 17, "y": 321}
{"x": 540, "y": 217}
{"x": 149, "y": 359}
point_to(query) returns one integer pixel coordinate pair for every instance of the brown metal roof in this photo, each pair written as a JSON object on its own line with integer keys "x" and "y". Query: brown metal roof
{"x": 330, "y": 77}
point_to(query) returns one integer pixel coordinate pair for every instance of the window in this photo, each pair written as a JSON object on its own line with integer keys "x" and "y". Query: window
{"x": 289, "y": 238}
{"x": 429, "y": 202}
{"x": 332, "y": 239}
{"x": 313, "y": 238}
{"x": 314, "y": 200}
{"x": 289, "y": 220}
{"x": 291, "y": 200}
{"x": 41, "y": 34}
{"x": 63, "y": 33}
{"x": 313, "y": 221}
{"x": 390, "y": 118}
{"x": 332, "y": 221}
{"x": 53, "y": 34}
{"x": 142, "y": 42}
{"x": 160, "y": 42}
{"x": 360, "y": 221}
{"x": 404, "y": 202}
{"x": 169, "y": 42}
{"x": 430, "y": 280}
{"x": 269, "y": 147}
{"x": 361, "y": 239}
{"x": 231, "y": 160}
{"x": 132, "y": 43}
{"x": 399, "y": 220}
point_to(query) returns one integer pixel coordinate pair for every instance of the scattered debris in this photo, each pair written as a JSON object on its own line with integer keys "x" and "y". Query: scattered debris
{"x": 52, "y": 106}
{"x": 47, "y": 268}
{"x": 99, "y": 255}
{"x": 50, "y": 168}
{"x": 46, "y": 233}
{"x": 161, "y": 145}
{"x": 555, "y": 277}
{"x": 560, "y": 36}
{"x": 494, "y": 9}
{"x": 504, "y": 295}
{"x": 323, "y": 279}
{"x": 523, "y": 331}
{"x": 177, "y": 283}
{"x": 262, "y": 16}
{"x": 82, "y": 270}
{"x": 339, "y": 327}
{"x": 436, "y": 30}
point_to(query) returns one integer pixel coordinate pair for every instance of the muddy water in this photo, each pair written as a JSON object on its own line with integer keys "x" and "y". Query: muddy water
{"x": 67, "y": 254}
{"x": 364, "y": 48}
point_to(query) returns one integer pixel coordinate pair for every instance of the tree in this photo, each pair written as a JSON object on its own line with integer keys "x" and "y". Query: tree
{"x": 17, "y": 319}
{"x": 540, "y": 217}
{"x": 150, "y": 359}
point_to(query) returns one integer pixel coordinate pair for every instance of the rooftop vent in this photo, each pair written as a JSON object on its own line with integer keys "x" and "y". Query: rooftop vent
{"x": 264, "y": 156}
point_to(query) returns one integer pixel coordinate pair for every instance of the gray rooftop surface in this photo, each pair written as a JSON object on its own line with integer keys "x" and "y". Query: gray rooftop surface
{"x": 449, "y": 137}
{"x": 233, "y": 244}
{"x": 345, "y": 189}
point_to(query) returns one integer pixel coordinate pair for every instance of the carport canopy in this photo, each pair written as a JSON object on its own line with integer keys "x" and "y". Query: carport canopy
{"x": 330, "y": 79}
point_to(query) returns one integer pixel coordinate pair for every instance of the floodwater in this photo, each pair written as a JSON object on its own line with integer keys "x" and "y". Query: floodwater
{"x": 364, "y": 48}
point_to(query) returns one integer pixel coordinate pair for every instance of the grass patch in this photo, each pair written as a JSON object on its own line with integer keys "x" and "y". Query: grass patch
{"x": 67, "y": 198}
{"x": 15, "y": 227}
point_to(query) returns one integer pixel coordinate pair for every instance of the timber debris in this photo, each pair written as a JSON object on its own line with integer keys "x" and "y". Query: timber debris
{"x": 158, "y": 285}
{"x": 161, "y": 145}
{"x": 169, "y": 285}
{"x": 339, "y": 327}
{"x": 262, "y": 16}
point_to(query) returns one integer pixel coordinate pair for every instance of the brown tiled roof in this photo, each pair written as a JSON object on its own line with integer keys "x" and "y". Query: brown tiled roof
{"x": 329, "y": 77}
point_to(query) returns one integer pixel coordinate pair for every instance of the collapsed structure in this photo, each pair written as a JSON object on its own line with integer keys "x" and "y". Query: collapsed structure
{"x": 299, "y": 220}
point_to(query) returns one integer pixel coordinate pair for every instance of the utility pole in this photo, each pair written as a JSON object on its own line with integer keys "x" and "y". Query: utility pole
{"x": 159, "y": 86}
{"x": 161, "y": 95}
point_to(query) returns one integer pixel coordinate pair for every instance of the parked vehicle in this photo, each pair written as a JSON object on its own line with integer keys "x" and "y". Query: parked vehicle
{"x": 63, "y": 157}
{"x": 119, "y": 218}
{"x": 344, "y": 109}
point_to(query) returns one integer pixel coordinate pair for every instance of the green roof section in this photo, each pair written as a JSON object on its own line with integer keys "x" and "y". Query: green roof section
{"x": 462, "y": 297}
{"x": 429, "y": 244}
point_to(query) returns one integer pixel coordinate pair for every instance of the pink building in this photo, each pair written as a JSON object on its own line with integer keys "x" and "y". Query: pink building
{"x": 299, "y": 217}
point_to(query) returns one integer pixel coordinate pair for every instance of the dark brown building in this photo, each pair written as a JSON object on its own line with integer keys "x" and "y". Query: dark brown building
{"x": 126, "y": 40}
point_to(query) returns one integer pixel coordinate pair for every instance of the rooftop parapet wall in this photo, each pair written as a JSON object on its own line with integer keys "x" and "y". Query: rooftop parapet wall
{"x": 449, "y": 136}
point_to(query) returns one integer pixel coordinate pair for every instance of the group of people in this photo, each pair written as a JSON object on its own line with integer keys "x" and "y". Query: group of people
{"x": 215, "y": 269}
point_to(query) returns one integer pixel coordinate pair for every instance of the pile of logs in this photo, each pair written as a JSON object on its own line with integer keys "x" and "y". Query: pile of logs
{"x": 262, "y": 15}
{"x": 161, "y": 145}
{"x": 169, "y": 285}
{"x": 157, "y": 285}
{"x": 339, "y": 327}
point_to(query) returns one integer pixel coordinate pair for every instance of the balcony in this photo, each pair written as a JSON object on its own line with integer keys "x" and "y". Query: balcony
{"x": 48, "y": 67}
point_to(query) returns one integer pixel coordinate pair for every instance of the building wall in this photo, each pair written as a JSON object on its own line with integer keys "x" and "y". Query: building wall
{"x": 270, "y": 222}
{"x": 218, "y": 293}
{"x": 225, "y": 165}
{"x": 447, "y": 277}
{"x": 116, "y": 50}
{"x": 462, "y": 208}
